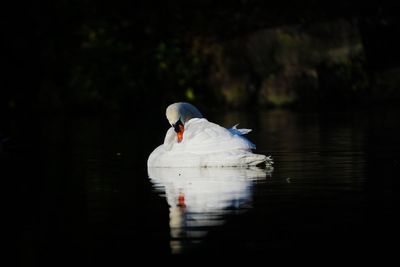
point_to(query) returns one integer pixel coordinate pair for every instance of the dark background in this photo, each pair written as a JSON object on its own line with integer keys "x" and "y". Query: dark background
{"x": 121, "y": 56}
{"x": 84, "y": 80}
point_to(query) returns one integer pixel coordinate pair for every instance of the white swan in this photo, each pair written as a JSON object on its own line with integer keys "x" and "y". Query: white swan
{"x": 193, "y": 141}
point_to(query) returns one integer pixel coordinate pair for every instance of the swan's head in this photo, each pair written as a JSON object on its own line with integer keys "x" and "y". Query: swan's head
{"x": 178, "y": 114}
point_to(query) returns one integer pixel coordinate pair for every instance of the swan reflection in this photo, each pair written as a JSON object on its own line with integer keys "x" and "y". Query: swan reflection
{"x": 201, "y": 198}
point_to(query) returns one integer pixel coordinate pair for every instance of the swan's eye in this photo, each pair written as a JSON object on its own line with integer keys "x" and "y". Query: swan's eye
{"x": 176, "y": 126}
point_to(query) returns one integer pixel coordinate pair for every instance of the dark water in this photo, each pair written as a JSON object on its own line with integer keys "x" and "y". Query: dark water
{"x": 86, "y": 195}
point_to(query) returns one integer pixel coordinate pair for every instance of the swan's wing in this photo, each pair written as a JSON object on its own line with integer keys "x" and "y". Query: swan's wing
{"x": 204, "y": 136}
{"x": 205, "y": 144}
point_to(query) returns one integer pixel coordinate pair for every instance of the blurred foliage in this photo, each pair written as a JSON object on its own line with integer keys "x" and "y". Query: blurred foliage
{"x": 125, "y": 55}
{"x": 180, "y": 70}
{"x": 343, "y": 84}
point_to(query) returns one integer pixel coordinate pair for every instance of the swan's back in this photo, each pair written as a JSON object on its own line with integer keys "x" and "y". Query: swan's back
{"x": 206, "y": 144}
{"x": 202, "y": 136}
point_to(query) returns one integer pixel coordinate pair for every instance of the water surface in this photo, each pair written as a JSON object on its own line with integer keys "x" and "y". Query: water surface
{"x": 88, "y": 195}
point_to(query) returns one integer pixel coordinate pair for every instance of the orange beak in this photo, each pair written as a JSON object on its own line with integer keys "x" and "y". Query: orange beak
{"x": 180, "y": 133}
{"x": 181, "y": 200}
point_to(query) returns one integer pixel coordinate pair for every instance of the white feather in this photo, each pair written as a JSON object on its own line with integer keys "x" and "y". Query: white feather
{"x": 205, "y": 144}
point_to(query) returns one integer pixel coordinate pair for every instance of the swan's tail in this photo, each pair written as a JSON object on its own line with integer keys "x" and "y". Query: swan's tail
{"x": 235, "y": 130}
